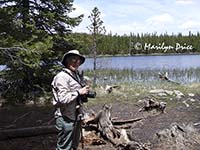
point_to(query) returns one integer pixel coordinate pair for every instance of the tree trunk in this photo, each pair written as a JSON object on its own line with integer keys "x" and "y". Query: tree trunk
{"x": 118, "y": 137}
{"x": 95, "y": 57}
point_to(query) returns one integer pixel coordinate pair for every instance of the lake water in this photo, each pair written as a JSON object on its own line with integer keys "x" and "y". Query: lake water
{"x": 145, "y": 62}
{"x": 180, "y": 68}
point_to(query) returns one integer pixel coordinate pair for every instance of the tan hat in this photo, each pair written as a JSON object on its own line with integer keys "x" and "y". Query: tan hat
{"x": 71, "y": 53}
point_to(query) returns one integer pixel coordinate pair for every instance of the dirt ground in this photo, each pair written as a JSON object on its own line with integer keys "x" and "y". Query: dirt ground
{"x": 143, "y": 131}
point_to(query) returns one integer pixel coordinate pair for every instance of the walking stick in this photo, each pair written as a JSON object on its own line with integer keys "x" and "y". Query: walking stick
{"x": 80, "y": 118}
{"x": 82, "y": 138}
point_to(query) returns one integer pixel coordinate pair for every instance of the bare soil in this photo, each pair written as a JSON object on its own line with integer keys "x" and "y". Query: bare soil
{"x": 143, "y": 131}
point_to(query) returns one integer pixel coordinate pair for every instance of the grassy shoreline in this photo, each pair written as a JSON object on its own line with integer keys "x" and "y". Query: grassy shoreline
{"x": 134, "y": 92}
{"x": 115, "y": 76}
{"x": 151, "y": 54}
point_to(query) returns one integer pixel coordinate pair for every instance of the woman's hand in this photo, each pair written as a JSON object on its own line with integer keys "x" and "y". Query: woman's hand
{"x": 84, "y": 90}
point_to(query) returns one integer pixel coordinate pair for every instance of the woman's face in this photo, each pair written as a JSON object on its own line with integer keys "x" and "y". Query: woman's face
{"x": 73, "y": 62}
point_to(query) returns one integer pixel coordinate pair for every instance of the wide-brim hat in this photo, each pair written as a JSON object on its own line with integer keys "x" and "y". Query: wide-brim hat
{"x": 71, "y": 53}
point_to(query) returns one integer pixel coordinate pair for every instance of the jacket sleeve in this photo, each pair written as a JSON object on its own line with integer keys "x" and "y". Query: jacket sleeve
{"x": 61, "y": 91}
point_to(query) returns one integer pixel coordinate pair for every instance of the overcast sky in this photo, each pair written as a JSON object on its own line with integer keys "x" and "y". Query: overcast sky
{"x": 142, "y": 16}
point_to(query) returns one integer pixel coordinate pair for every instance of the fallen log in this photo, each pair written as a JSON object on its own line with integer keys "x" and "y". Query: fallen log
{"x": 26, "y": 132}
{"x": 120, "y": 122}
{"x": 100, "y": 122}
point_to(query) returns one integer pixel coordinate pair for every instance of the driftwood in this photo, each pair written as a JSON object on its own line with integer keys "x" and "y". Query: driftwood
{"x": 104, "y": 124}
{"x": 109, "y": 88}
{"x": 165, "y": 77}
{"x": 151, "y": 104}
{"x": 117, "y": 136}
{"x": 26, "y": 132}
{"x": 120, "y": 122}
{"x": 110, "y": 130}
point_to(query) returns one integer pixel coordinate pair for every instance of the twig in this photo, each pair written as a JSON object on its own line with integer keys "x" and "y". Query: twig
{"x": 49, "y": 122}
{"x": 24, "y": 115}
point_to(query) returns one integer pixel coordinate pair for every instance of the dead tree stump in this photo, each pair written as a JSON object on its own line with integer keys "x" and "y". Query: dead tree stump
{"x": 104, "y": 124}
{"x": 118, "y": 137}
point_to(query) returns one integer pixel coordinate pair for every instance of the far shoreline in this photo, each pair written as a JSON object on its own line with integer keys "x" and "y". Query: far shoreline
{"x": 152, "y": 54}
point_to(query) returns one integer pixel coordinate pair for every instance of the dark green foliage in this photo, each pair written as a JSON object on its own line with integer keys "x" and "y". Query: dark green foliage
{"x": 34, "y": 34}
{"x": 28, "y": 72}
{"x": 124, "y": 44}
{"x": 27, "y": 17}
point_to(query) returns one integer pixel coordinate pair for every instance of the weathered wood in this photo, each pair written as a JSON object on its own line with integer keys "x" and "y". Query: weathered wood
{"x": 100, "y": 122}
{"x": 115, "y": 135}
{"x": 165, "y": 77}
{"x": 151, "y": 104}
{"x": 120, "y": 122}
{"x": 26, "y": 132}
{"x": 109, "y": 88}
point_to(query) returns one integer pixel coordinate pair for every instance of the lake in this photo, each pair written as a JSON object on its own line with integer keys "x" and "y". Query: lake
{"x": 180, "y": 68}
{"x": 145, "y": 62}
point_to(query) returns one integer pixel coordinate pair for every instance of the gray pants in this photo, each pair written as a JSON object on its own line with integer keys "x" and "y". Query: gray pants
{"x": 68, "y": 133}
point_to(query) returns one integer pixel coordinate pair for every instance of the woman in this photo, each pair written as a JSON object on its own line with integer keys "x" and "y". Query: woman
{"x": 67, "y": 91}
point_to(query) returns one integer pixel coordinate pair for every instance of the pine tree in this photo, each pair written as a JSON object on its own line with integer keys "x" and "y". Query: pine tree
{"x": 96, "y": 28}
{"x": 29, "y": 32}
{"x": 27, "y": 17}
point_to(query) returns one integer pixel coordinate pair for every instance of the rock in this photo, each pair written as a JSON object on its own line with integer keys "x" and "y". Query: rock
{"x": 30, "y": 102}
{"x": 137, "y": 94}
{"x": 178, "y": 94}
{"x": 108, "y": 89}
{"x": 186, "y": 104}
{"x": 179, "y": 137}
{"x": 192, "y": 100}
{"x": 169, "y": 92}
{"x": 140, "y": 101}
{"x": 162, "y": 94}
{"x": 156, "y": 91}
{"x": 191, "y": 94}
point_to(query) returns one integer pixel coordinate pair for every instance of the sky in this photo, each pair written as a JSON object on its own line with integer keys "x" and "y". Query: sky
{"x": 141, "y": 16}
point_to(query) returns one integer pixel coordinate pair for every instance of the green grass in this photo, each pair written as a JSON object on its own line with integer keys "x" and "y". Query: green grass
{"x": 113, "y": 76}
{"x": 133, "y": 92}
